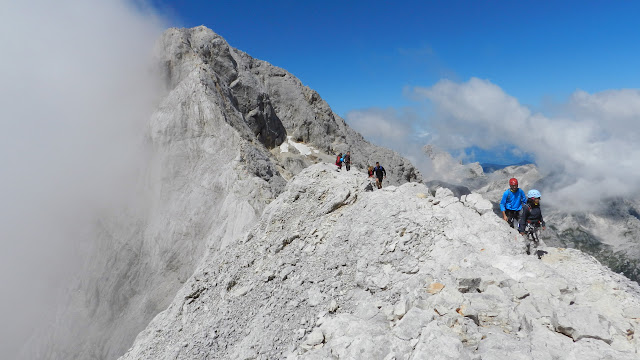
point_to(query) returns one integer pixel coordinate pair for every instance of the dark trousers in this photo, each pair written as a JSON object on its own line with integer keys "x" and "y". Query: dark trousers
{"x": 512, "y": 215}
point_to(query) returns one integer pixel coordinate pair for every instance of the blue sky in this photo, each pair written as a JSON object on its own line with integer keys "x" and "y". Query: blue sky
{"x": 360, "y": 54}
{"x": 371, "y": 56}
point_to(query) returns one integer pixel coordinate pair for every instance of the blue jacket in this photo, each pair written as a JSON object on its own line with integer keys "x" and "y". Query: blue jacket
{"x": 513, "y": 201}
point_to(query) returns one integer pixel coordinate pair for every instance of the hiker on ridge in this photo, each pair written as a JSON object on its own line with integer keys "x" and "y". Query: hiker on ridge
{"x": 531, "y": 213}
{"x": 339, "y": 161}
{"x": 347, "y": 161}
{"x": 380, "y": 173}
{"x": 511, "y": 202}
{"x": 530, "y": 223}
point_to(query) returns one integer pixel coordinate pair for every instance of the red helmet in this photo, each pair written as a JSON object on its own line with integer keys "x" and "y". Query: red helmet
{"x": 513, "y": 181}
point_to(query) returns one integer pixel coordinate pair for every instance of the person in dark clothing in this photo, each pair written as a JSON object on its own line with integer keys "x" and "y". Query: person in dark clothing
{"x": 531, "y": 212}
{"x": 339, "y": 161}
{"x": 380, "y": 173}
{"x": 530, "y": 222}
{"x": 347, "y": 161}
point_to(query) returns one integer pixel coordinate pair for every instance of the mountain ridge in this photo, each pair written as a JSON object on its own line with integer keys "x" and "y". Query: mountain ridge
{"x": 334, "y": 271}
{"x": 220, "y": 181}
{"x": 215, "y": 164}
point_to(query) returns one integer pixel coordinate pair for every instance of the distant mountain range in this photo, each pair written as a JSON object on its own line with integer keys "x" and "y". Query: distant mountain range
{"x": 489, "y": 168}
{"x": 610, "y": 231}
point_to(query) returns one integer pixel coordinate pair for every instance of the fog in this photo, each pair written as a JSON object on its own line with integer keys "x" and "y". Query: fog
{"x": 587, "y": 146}
{"x": 77, "y": 90}
{"x": 399, "y": 130}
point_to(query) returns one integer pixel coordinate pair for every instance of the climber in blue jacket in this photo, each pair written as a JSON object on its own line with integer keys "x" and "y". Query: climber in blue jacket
{"x": 512, "y": 201}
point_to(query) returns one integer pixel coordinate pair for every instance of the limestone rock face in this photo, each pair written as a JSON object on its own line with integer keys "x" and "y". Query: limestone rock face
{"x": 217, "y": 158}
{"x": 608, "y": 229}
{"x": 333, "y": 271}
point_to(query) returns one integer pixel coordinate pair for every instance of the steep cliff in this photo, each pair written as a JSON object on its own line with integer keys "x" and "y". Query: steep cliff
{"x": 217, "y": 158}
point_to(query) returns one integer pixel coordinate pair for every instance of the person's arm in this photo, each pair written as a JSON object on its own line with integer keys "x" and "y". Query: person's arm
{"x": 384, "y": 172}
{"x": 503, "y": 203}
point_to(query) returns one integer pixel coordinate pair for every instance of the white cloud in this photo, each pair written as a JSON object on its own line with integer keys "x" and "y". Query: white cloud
{"x": 589, "y": 148}
{"x": 394, "y": 130}
{"x": 77, "y": 90}
{"x": 381, "y": 124}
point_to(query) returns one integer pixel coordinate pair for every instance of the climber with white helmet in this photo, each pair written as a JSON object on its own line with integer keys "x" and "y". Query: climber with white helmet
{"x": 511, "y": 202}
{"x": 531, "y": 219}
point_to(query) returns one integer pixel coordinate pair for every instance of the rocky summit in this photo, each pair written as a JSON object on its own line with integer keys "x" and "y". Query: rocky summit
{"x": 332, "y": 271}
{"x": 227, "y": 135}
{"x": 245, "y": 242}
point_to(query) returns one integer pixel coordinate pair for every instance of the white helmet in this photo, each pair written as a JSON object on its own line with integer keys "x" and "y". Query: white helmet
{"x": 533, "y": 194}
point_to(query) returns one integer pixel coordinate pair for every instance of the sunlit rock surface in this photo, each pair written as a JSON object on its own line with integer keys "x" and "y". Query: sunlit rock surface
{"x": 333, "y": 271}
{"x": 608, "y": 229}
{"x": 216, "y": 160}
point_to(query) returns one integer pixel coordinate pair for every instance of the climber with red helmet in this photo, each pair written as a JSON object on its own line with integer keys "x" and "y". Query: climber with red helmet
{"x": 512, "y": 201}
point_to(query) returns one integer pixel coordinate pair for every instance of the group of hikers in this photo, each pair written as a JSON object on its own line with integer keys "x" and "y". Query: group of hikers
{"x": 344, "y": 159}
{"x": 522, "y": 209}
{"x": 378, "y": 171}
{"x": 516, "y": 206}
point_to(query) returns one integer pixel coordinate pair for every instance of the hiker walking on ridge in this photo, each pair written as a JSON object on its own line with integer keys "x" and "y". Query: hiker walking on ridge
{"x": 531, "y": 220}
{"x": 347, "y": 161}
{"x": 380, "y": 173}
{"x": 339, "y": 161}
{"x": 531, "y": 213}
{"x": 512, "y": 201}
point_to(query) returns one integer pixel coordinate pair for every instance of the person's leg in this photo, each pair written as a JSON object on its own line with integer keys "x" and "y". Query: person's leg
{"x": 510, "y": 217}
{"x": 516, "y": 217}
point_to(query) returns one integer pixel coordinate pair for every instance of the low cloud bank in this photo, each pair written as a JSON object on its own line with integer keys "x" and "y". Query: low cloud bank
{"x": 396, "y": 130}
{"x": 588, "y": 147}
{"x": 76, "y": 94}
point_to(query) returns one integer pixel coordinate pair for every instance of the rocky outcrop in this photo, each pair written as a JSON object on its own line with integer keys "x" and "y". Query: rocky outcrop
{"x": 215, "y": 162}
{"x": 608, "y": 229}
{"x": 334, "y": 271}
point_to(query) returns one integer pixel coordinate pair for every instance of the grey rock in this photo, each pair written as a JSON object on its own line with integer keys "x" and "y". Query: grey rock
{"x": 251, "y": 240}
{"x": 580, "y": 322}
{"x": 516, "y": 305}
{"x": 216, "y": 162}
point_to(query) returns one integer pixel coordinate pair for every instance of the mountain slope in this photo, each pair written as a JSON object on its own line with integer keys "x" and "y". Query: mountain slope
{"x": 215, "y": 162}
{"x": 333, "y": 271}
{"x": 609, "y": 229}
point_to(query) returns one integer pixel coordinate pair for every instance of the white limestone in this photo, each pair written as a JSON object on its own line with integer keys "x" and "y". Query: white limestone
{"x": 493, "y": 300}
{"x": 215, "y": 164}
